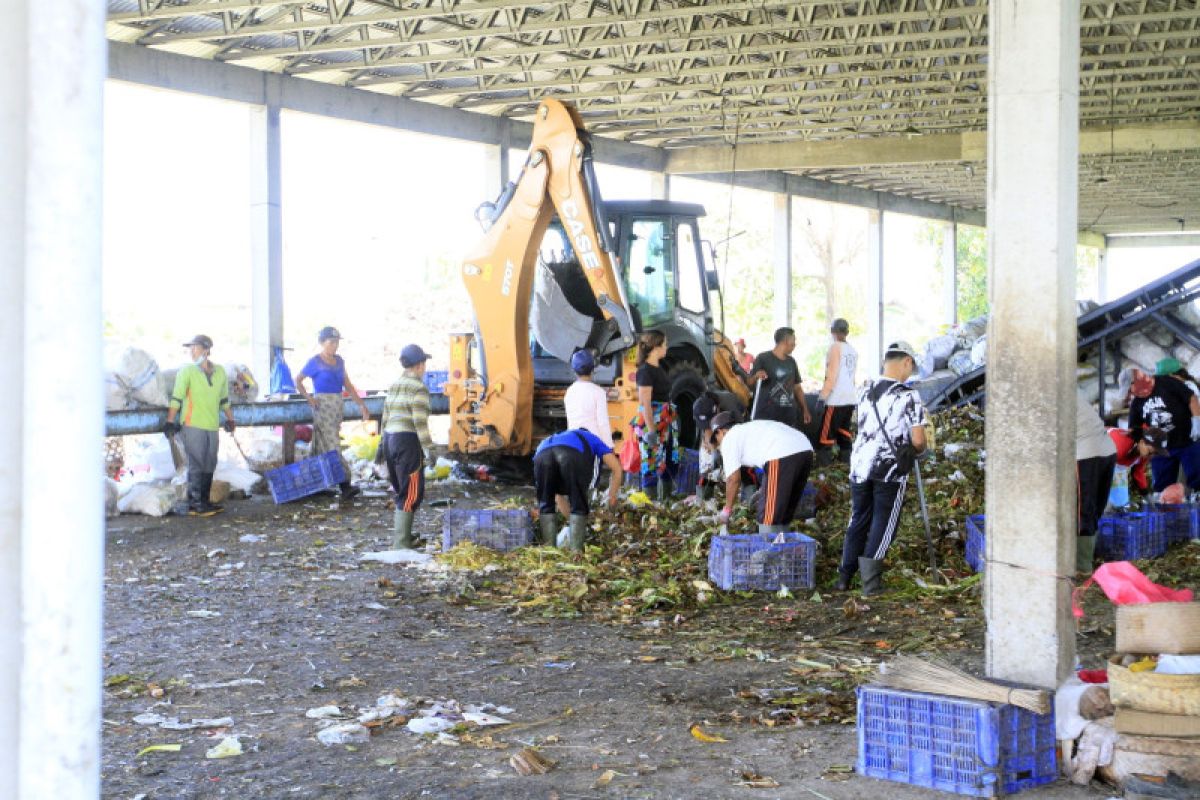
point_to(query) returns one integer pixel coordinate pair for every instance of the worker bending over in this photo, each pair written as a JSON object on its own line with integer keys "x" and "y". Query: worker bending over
{"x": 406, "y": 443}
{"x": 891, "y": 433}
{"x": 1166, "y": 403}
{"x": 201, "y": 392}
{"x": 783, "y": 453}
{"x": 568, "y": 463}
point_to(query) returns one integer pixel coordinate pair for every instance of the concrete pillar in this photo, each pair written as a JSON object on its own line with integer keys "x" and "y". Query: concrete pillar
{"x": 660, "y": 186}
{"x": 1033, "y": 74}
{"x": 872, "y": 343}
{"x": 950, "y": 273}
{"x": 1102, "y": 276}
{"x": 266, "y": 232}
{"x": 14, "y": 40}
{"x": 62, "y": 539}
{"x": 783, "y": 261}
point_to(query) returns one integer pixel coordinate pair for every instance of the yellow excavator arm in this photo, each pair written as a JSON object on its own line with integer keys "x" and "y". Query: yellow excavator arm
{"x": 491, "y": 408}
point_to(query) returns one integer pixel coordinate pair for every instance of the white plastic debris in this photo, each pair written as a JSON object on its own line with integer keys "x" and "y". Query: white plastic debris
{"x": 423, "y": 725}
{"x": 149, "y": 499}
{"x": 250, "y": 538}
{"x": 173, "y": 723}
{"x": 397, "y": 557}
{"x": 230, "y": 684}
{"x": 483, "y": 720}
{"x": 348, "y": 733}
{"x": 323, "y": 712}
{"x": 238, "y": 478}
{"x": 204, "y": 613}
{"x": 392, "y": 701}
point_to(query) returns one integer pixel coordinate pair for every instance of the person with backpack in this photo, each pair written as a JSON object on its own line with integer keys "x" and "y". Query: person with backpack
{"x": 891, "y": 433}
{"x": 568, "y": 463}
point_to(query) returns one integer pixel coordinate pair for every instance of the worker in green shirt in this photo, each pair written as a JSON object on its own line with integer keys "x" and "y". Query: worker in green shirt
{"x": 201, "y": 393}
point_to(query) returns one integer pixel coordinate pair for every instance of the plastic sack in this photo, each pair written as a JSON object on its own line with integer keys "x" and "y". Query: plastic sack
{"x": 1118, "y": 495}
{"x": 1173, "y": 494}
{"x": 631, "y": 456}
{"x": 1125, "y": 585}
{"x": 281, "y": 375}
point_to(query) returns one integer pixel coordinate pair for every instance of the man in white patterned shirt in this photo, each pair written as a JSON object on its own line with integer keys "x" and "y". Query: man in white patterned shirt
{"x": 891, "y": 433}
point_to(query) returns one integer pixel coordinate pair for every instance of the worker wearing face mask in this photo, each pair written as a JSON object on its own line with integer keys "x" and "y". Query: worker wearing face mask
{"x": 201, "y": 393}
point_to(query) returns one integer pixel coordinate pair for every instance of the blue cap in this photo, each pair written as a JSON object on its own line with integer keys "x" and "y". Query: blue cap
{"x": 582, "y": 362}
{"x": 412, "y": 354}
{"x": 327, "y": 333}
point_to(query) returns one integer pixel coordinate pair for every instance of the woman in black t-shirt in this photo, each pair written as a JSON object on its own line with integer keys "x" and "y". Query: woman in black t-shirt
{"x": 655, "y": 426}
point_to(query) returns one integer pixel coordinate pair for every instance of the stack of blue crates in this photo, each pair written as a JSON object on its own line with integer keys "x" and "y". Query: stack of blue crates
{"x": 312, "y": 475}
{"x": 762, "y": 561}
{"x": 501, "y": 530}
{"x": 976, "y": 544}
{"x": 1126, "y": 537}
{"x": 969, "y": 747}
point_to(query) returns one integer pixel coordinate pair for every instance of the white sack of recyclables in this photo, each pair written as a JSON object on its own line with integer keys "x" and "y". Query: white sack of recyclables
{"x": 147, "y": 498}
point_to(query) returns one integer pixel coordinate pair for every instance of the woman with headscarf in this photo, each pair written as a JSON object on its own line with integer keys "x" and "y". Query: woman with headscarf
{"x": 327, "y": 371}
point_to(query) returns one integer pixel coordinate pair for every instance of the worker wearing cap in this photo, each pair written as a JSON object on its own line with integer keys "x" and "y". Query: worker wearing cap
{"x": 200, "y": 394}
{"x": 568, "y": 463}
{"x": 1166, "y": 403}
{"x": 586, "y": 403}
{"x": 407, "y": 444}
{"x": 891, "y": 433}
{"x": 838, "y": 394}
{"x": 783, "y": 453}
{"x": 1095, "y": 462}
{"x": 327, "y": 371}
{"x": 1134, "y": 452}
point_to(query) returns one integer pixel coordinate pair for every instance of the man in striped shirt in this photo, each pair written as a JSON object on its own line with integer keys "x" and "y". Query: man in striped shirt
{"x": 406, "y": 441}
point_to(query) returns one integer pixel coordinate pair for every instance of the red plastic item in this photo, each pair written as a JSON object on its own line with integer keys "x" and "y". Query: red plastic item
{"x": 1093, "y": 675}
{"x": 1125, "y": 585}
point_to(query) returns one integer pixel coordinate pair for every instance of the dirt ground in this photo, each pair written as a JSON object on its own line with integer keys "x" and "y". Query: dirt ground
{"x": 276, "y": 599}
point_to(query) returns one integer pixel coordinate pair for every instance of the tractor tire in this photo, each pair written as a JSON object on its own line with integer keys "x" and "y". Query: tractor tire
{"x": 687, "y": 384}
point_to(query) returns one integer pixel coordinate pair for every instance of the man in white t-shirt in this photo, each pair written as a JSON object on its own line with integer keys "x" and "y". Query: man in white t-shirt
{"x": 783, "y": 453}
{"x": 838, "y": 395}
{"x": 585, "y": 402}
{"x": 891, "y": 432}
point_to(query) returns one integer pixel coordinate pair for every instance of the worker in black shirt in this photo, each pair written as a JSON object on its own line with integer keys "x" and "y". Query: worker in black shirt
{"x": 655, "y": 425}
{"x": 1170, "y": 405}
{"x": 775, "y": 382}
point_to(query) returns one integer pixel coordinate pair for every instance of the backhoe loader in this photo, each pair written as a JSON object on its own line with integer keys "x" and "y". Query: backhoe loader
{"x": 559, "y": 270}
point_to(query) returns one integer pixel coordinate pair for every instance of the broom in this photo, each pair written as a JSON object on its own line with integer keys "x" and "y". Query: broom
{"x": 938, "y": 677}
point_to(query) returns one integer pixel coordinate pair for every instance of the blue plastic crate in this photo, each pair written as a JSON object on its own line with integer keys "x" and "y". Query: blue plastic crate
{"x": 754, "y": 561}
{"x": 1176, "y": 520}
{"x": 953, "y": 744}
{"x": 501, "y": 530}
{"x": 688, "y": 473}
{"x": 435, "y": 380}
{"x": 976, "y": 543}
{"x": 309, "y": 476}
{"x": 1125, "y": 537}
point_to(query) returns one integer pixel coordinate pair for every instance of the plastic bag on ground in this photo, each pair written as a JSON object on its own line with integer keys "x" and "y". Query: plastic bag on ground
{"x": 1125, "y": 585}
{"x": 150, "y": 499}
{"x": 238, "y": 478}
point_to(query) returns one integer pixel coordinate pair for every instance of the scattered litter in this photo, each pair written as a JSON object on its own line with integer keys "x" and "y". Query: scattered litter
{"x": 397, "y": 557}
{"x": 483, "y": 720}
{"x": 204, "y": 613}
{"x": 216, "y": 553}
{"x": 173, "y": 723}
{"x": 227, "y": 748}
{"x": 423, "y": 725}
{"x": 160, "y": 748}
{"x": 375, "y": 606}
{"x": 323, "y": 712}
{"x": 230, "y": 684}
{"x": 530, "y": 762}
{"x": 150, "y": 499}
{"x": 347, "y": 733}
{"x": 699, "y": 734}
{"x": 250, "y": 538}
{"x": 559, "y": 665}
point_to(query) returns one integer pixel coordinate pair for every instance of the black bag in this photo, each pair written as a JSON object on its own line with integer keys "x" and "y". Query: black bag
{"x": 905, "y": 456}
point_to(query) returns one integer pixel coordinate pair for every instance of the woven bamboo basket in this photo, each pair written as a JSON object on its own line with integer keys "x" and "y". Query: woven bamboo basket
{"x": 1157, "y": 628}
{"x": 1153, "y": 691}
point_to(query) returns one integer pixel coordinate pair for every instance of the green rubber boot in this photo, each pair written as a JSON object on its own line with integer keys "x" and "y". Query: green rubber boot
{"x": 549, "y": 528}
{"x": 402, "y": 538}
{"x": 578, "y": 532}
{"x": 1085, "y": 554}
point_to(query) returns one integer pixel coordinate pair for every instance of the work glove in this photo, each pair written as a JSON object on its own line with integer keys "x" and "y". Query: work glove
{"x": 229, "y": 425}
{"x": 171, "y": 428}
{"x": 1196, "y": 429}
{"x": 650, "y": 437}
